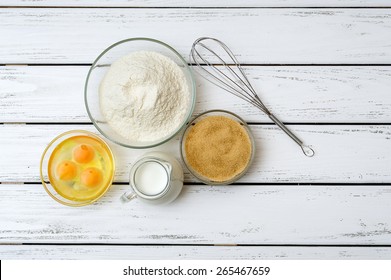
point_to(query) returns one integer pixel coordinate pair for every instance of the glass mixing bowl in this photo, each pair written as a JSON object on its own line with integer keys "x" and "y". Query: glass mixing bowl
{"x": 201, "y": 117}
{"x": 44, "y": 168}
{"x": 101, "y": 66}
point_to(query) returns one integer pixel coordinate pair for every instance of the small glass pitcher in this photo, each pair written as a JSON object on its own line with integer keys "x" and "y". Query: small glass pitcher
{"x": 155, "y": 178}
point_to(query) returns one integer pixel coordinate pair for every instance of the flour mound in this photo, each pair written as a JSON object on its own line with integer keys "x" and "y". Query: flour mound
{"x": 144, "y": 96}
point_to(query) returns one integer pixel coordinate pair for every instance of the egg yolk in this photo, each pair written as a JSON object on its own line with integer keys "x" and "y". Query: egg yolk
{"x": 66, "y": 170}
{"x": 91, "y": 177}
{"x": 83, "y": 153}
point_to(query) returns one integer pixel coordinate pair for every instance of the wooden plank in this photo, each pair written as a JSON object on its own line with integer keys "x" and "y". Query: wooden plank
{"x": 196, "y": 3}
{"x": 238, "y": 214}
{"x": 128, "y": 252}
{"x": 296, "y": 93}
{"x": 344, "y": 154}
{"x": 260, "y": 35}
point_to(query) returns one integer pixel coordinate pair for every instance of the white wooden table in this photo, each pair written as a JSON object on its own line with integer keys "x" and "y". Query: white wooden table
{"x": 326, "y": 71}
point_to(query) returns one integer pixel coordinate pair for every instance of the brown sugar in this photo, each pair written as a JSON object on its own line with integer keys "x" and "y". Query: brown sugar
{"x": 218, "y": 148}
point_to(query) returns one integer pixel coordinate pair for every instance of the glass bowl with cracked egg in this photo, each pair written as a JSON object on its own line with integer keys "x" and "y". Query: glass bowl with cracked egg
{"x": 139, "y": 92}
{"x": 77, "y": 168}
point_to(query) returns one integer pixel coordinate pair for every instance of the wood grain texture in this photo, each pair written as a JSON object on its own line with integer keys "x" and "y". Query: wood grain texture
{"x": 251, "y": 214}
{"x": 238, "y": 214}
{"x": 281, "y": 35}
{"x": 127, "y": 252}
{"x": 295, "y": 93}
{"x": 197, "y": 3}
{"x": 344, "y": 154}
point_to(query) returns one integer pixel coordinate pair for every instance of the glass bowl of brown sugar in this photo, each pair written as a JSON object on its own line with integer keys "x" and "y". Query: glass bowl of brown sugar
{"x": 217, "y": 147}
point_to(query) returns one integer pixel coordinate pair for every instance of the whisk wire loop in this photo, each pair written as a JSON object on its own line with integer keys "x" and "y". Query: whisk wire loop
{"x": 238, "y": 85}
{"x": 220, "y": 75}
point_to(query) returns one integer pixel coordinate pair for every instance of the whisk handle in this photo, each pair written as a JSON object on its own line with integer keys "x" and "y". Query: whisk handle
{"x": 306, "y": 149}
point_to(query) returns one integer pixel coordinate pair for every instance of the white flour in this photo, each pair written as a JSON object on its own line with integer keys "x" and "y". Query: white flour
{"x": 144, "y": 96}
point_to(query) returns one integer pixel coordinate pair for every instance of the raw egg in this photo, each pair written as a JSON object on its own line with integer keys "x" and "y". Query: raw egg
{"x": 66, "y": 170}
{"x": 91, "y": 177}
{"x": 83, "y": 153}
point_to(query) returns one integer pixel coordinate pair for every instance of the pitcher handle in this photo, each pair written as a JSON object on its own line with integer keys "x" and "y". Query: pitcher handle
{"x": 128, "y": 196}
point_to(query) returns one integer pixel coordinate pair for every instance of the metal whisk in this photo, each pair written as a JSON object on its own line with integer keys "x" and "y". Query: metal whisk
{"x": 232, "y": 78}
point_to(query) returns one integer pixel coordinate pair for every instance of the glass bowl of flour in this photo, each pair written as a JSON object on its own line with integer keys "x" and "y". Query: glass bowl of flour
{"x": 139, "y": 93}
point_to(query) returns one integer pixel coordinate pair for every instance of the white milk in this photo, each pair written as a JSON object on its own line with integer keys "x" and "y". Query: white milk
{"x": 151, "y": 178}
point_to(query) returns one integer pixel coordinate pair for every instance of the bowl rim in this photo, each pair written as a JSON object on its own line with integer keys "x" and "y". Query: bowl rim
{"x": 76, "y": 131}
{"x": 204, "y": 179}
{"x": 192, "y": 92}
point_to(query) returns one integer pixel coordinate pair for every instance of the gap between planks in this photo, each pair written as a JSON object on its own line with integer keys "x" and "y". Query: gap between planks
{"x": 242, "y": 184}
{"x": 216, "y": 64}
{"x": 201, "y": 245}
{"x": 194, "y": 7}
{"x": 249, "y": 123}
